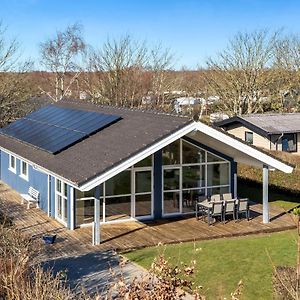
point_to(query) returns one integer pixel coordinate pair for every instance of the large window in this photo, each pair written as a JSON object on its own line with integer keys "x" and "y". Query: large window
{"x": 119, "y": 184}
{"x": 124, "y": 196}
{"x": 289, "y": 142}
{"x": 217, "y": 174}
{"x": 190, "y": 174}
{"x": 171, "y": 154}
{"x": 85, "y": 207}
{"x": 117, "y": 199}
{"x": 171, "y": 189}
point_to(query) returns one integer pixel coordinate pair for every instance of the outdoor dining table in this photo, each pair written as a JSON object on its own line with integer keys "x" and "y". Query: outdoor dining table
{"x": 203, "y": 206}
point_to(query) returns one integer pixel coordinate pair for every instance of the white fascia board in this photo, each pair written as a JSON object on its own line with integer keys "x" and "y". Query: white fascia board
{"x": 39, "y": 168}
{"x": 138, "y": 157}
{"x": 250, "y": 151}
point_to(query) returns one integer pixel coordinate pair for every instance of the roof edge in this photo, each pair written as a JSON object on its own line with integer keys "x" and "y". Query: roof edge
{"x": 138, "y": 156}
{"x": 246, "y": 123}
{"x": 281, "y": 164}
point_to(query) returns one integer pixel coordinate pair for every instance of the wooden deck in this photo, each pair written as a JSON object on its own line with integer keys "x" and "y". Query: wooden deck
{"x": 133, "y": 234}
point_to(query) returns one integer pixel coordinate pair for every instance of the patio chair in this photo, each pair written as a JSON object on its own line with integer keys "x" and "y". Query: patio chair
{"x": 243, "y": 208}
{"x": 215, "y": 211}
{"x": 227, "y": 196}
{"x": 229, "y": 209}
{"x": 215, "y": 197}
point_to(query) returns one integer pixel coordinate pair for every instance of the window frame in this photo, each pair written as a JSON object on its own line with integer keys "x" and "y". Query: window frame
{"x": 295, "y": 140}
{"x": 133, "y": 169}
{"x": 205, "y": 188}
{"x": 64, "y": 197}
{"x": 12, "y": 169}
{"x": 22, "y": 175}
{"x": 246, "y": 139}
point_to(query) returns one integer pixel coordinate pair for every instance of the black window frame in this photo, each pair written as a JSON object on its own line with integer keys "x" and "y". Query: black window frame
{"x": 288, "y": 150}
{"x": 246, "y": 139}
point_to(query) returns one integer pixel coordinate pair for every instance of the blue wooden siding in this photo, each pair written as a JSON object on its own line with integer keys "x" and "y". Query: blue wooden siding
{"x": 36, "y": 179}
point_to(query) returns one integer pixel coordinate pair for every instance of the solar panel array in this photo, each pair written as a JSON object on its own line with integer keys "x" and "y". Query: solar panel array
{"x": 54, "y": 128}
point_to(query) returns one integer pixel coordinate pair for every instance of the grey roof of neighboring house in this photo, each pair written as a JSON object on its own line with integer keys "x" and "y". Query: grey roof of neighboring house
{"x": 105, "y": 149}
{"x": 274, "y": 123}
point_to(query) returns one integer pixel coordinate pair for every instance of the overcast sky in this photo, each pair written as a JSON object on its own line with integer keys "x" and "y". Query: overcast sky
{"x": 193, "y": 30}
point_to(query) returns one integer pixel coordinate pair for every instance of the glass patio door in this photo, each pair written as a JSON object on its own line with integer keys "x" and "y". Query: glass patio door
{"x": 171, "y": 190}
{"x": 61, "y": 201}
{"x": 143, "y": 193}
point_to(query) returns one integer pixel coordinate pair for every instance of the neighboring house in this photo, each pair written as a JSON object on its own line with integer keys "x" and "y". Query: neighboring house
{"x": 108, "y": 164}
{"x": 185, "y": 104}
{"x": 279, "y": 132}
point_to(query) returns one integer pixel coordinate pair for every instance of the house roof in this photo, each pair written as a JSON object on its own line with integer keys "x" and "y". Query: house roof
{"x": 105, "y": 149}
{"x": 266, "y": 124}
{"x": 137, "y": 135}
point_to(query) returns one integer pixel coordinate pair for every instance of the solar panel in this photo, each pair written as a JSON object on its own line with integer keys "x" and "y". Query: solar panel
{"x": 54, "y": 128}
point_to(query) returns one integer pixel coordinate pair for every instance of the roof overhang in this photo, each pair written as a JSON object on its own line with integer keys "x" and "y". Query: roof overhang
{"x": 207, "y": 135}
{"x": 237, "y": 149}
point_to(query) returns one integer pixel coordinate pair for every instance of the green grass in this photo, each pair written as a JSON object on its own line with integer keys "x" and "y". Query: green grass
{"x": 222, "y": 263}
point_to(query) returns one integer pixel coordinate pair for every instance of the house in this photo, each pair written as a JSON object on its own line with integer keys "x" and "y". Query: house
{"x": 275, "y": 131}
{"x": 185, "y": 104}
{"x": 100, "y": 164}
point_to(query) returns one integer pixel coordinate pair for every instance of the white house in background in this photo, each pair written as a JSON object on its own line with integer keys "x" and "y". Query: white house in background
{"x": 184, "y": 103}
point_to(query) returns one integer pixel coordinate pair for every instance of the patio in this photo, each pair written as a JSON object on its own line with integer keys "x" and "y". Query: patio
{"x": 133, "y": 234}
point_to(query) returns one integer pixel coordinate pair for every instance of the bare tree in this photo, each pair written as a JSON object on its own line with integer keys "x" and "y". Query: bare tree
{"x": 160, "y": 62}
{"x": 14, "y": 91}
{"x": 241, "y": 75}
{"x": 287, "y": 65}
{"x": 125, "y": 72}
{"x": 60, "y": 55}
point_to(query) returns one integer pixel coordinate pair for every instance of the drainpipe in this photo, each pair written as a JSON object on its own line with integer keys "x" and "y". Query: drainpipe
{"x": 278, "y": 140}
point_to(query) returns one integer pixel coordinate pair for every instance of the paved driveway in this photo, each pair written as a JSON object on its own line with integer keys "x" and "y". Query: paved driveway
{"x": 93, "y": 271}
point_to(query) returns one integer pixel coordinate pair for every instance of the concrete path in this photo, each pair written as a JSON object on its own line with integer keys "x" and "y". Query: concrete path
{"x": 94, "y": 271}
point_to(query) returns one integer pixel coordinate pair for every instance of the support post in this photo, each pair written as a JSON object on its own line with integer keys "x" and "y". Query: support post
{"x": 234, "y": 179}
{"x": 96, "y": 225}
{"x": 265, "y": 194}
{"x": 49, "y": 196}
{"x": 72, "y": 208}
{"x": 235, "y": 186}
{"x": 157, "y": 177}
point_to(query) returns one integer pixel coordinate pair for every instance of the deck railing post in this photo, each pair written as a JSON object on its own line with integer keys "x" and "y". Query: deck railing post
{"x": 265, "y": 194}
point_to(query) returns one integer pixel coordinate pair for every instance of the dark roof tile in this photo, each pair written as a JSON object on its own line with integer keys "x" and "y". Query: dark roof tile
{"x": 107, "y": 148}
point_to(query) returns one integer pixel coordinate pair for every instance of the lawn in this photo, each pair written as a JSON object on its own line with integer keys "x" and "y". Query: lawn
{"x": 222, "y": 263}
